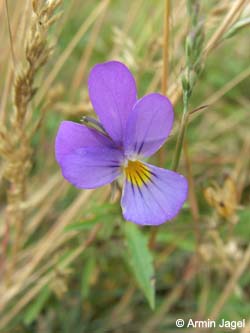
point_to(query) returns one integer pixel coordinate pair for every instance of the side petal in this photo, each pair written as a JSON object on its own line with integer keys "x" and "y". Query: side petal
{"x": 112, "y": 91}
{"x": 72, "y": 136}
{"x": 148, "y": 126}
{"x": 153, "y": 196}
{"x": 91, "y": 167}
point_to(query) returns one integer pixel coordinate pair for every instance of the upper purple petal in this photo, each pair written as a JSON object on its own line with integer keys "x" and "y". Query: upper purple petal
{"x": 112, "y": 91}
{"x": 157, "y": 200}
{"x": 149, "y": 124}
{"x": 88, "y": 159}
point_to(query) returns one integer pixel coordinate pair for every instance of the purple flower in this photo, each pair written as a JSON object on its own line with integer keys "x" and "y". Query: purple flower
{"x": 132, "y": 130}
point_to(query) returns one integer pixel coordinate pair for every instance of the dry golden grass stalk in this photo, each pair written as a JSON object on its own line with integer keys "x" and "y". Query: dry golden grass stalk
{"x": 6, "y": 63}
{"x": 15, "y": 146}
{"x": 231, "y": 17}
{"x": 69, "y": 49}
{"x": 81, "y": 68}
{"x": 46, "y": 247}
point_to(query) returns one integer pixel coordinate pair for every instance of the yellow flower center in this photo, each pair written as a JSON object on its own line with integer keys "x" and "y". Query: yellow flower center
{"x": 137, "y": 173}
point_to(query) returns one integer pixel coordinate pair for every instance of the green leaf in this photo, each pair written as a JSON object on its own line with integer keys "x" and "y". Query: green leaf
{"x": 36, "y": 307}
{"x": 86, "y": 225}
{"x": 237, "y": 27}
{"x": 87, "y": 275}
{"x": 141, "y": 261}
{"x": 240, "y": 229}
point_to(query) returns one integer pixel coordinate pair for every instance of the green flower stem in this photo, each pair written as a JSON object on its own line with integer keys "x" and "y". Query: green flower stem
{"x": 181, "y": 135}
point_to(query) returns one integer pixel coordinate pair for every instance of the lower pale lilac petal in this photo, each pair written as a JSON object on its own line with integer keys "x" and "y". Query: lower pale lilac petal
{"x": 148, "y": 126}
{"x": 72, "y": 136}
{"x": 156, "y": 200}
{"x": 88, "y": 168}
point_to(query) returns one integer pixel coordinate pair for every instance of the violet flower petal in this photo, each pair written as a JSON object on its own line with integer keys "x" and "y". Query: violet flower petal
{"x": 112, "y": 91}
{"x": 148, "y": 126}
{"x": 92, "y": 167}
{"x": 156, "y": 200}
{"x": 71, "y": 136}
{"x": 88, "y": 159}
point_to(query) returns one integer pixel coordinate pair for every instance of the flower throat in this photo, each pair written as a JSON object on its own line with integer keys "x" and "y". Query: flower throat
{"x": 137, "y": 173}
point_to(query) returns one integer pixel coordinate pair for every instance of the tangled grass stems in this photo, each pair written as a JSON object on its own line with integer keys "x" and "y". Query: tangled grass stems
{"x": 16, "y": 147}
{"x": 48, "y": 278}
{"x": 46, "y": 246}
{"x": 81, "y": 68}
{"x": 69, "y": 49}
{"x": 25, "y": 277}
{"x": 194, "y": 65}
